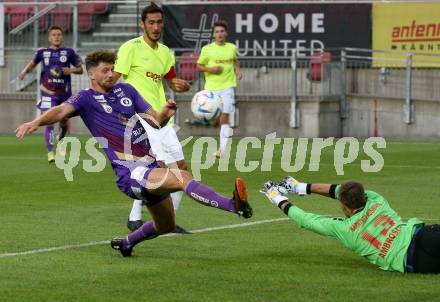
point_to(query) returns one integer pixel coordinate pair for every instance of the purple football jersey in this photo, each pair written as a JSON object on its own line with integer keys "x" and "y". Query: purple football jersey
{"x": 52, "y": 77}
{"x": 111, "y": 118}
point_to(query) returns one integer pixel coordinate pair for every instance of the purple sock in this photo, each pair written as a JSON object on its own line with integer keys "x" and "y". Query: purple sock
{"x": 208, "y": 197}
{"x": 63, "y": 131}
{"x": 145, "y": 232}
{"x": 48, "y": 138}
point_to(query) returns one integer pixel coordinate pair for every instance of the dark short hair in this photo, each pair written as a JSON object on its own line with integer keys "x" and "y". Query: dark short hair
{"x": 55, "y": 27}
{"x": 221, "y": 23}
{"x": 150, "y": 9}
{"x": 93, "y": 59}
{"x": 352, "y": 194}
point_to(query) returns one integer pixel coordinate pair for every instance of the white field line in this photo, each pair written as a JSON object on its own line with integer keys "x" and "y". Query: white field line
{"x": 96, "y": 243}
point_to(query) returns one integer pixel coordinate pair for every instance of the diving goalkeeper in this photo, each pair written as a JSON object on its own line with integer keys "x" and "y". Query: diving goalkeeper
{"x": 371, "y": 228}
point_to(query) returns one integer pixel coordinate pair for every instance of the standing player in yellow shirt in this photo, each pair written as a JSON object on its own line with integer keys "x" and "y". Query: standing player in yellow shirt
{"x": 219, "y": 62}
{"x": 143, "y": 62}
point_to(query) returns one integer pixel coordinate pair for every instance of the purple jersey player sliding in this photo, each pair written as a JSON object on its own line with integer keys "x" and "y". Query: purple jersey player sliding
{"x": 54, "y": 80}
{"x": 107, "y": 110}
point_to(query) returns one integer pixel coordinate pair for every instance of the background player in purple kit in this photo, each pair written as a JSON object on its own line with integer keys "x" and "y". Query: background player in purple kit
{"x": 110, "y": 113}
{"x": 54, "y": 80}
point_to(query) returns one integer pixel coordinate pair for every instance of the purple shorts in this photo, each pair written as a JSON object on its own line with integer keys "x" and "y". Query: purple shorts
{"x": 48, "y": 101}
{"x": 133, "y": 184}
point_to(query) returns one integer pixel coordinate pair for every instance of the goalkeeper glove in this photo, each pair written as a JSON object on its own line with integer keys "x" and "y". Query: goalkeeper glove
{"x": 272, "y": 192}
{"x": 290, "y": 185}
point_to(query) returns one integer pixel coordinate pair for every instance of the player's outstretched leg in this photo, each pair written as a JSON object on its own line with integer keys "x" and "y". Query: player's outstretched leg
{"x": 135, "y": 219}
{"x": 172, "y": 180}
{"x": 161, "y": 181}
{"x": 125, "y": 245}
{"x": 208, "y": 197}
{"x": 163, "y": 222}
{"x": 156, "y": 186}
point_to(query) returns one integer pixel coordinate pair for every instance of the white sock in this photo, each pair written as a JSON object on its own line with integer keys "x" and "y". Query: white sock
{"x": 177, "y": 198}
{"x": 136, "y": 210}
{"x": 225, "y": 133}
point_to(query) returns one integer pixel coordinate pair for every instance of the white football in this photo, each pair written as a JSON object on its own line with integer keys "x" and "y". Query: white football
{"x": 206, "y": 106}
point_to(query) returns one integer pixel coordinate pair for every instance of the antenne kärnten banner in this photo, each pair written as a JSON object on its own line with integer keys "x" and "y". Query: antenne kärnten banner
{"x": 406, "y": 27}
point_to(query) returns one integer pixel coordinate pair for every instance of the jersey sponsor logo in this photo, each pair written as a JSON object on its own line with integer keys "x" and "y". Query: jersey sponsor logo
{"x": 63, "y": 59}
{"x": 138, "y": 131}
{"x": 154, "y": 76}
{"x": 228, "y": 61}
{"x": 54, "y": 72}
{"x": 57, "y": 81}
{"x": 126, "y": 102}
{"x": 100, "y": 98}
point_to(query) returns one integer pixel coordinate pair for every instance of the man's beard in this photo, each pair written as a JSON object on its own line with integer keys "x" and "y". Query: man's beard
{"x": 106, "y": 85}
{"x": 151, "y": 38}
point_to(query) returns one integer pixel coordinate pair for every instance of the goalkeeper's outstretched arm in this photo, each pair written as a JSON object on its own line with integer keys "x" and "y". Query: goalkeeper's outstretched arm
{"x": 328, "y": 190}
{"x": 292, "y": 186}
{"x": 317, "y": 223}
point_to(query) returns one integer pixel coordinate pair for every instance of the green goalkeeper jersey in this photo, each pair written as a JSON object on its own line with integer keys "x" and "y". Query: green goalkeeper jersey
{"x": 377, "y": 232}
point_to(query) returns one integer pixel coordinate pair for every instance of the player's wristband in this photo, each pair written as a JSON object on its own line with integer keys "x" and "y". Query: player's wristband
{"x": 302, "y": 188}
{"x": 286, "y": 208}
{"x": 279, "y": 199}
{"x": 332, "y": 191}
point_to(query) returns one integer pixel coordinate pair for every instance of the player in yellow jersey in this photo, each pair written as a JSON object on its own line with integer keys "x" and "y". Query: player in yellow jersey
{"x": 143, "y": 62}
{"x": 220, "y": 65}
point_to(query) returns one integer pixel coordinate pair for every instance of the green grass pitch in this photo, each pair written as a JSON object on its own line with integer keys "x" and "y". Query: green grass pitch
{"x": 273, "y": 261}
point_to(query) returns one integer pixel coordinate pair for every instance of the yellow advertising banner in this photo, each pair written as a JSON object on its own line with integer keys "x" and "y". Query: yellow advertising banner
{"x": 404, "y": 28}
